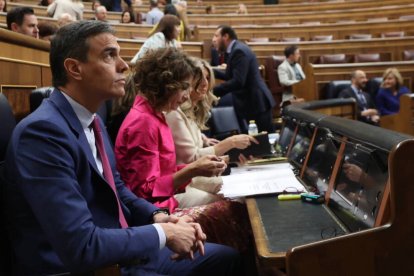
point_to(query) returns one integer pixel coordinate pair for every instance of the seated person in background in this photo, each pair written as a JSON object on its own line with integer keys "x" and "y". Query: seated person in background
{"x": 145, "y": 150}
{"x": 155, "y": 14}
{"x": 388, "y": 96}
{"x": 210, "y": 9}
{"x": 65, "y": 19}
{"x": 58, "y": 7}
{"x": 366, "y": 111}
{"x": 290, "y": 71}
{"x": 163, "y": 36}
{"x": 3, "y": 6}
{"x": 127, "y": 17}
{"x": 95, "y": 4}
{"x": 47, "y": 30}
{"x": 186, "y": 124}
{"x": 23, "y": 20}
{"x": 242, "y": 9}
{"x": 67, "y": 209}
{"x": 101, "y": 13}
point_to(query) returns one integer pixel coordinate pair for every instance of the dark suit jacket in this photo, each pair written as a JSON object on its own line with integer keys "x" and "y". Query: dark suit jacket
{"x": 348, "y": 93}
{"x": 62, "y": 214}
{"x": 250, "y": 93}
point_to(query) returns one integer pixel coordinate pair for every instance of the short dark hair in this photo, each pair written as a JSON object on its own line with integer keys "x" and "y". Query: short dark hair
{"x": 224, "y": 29}
{"x": 16, "y": 15}
{"x": 290, "y": 50}
{"x": 71, "y": 41}
{"x": 160, "y": 73}
{"x": 171, "y": 9}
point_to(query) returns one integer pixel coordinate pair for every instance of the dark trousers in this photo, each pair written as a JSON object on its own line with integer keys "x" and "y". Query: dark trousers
{"x": 218, "y": 260}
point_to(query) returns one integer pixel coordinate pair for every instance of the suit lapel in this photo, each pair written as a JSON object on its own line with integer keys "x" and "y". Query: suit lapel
{"x": 67, "y": 112}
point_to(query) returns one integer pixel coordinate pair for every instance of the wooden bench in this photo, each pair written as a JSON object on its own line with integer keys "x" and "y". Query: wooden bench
{"x": 306, "y": 32}
{"x": 319, "y": 75}
{"x": 390, "y": 49}
{"x": 403, "y": 121}
{"x": 328, "y": 16}
{"x": 17, "y": 80}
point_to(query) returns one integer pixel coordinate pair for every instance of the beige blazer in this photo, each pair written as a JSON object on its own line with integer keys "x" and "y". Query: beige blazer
{"x": 287, "y": 75}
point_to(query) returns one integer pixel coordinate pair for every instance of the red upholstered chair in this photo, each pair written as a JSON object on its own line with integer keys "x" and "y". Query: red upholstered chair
{"x": 408, "y": 55}
{"x": 272, "y": 63}
{"x": 367, "y": 58}
{"x": 393, "y": 34}
{"x": 377, "y": 19}
{"x": 290, "y": 39}
{"x": 360, "y": 36}
{"x": 332, "y": 59}
{"x": 259, "y": 39}
{"x": 322, "y": 37}
{"x": 407, "y": 17}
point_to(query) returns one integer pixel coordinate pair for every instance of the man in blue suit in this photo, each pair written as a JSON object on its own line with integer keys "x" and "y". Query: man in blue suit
{"x": 67, "y": 208}
{"x": 252, "y": 100}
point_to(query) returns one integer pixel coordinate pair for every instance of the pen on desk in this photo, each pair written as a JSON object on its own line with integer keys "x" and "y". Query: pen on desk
{"x": 288, "y": 196}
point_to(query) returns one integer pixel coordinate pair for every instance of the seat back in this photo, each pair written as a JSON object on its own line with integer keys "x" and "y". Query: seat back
{"x": 409, "y": 55}
{"x": 322, "y": 37}
{"x": 8, "y": 122}
{"x": 332, "y": 59}
{"x": 367, "y": 58}
{"x": 372, "y": 86}
{"x": 393, "y": 34}
{"x": 224, "y": 122}
{"x": 272, "y": 63}
{"x": 290, "y": 39}
{"x": 335, "y": 87}
{"x": 37, "y": 96}
{"x": 360, "y": 36}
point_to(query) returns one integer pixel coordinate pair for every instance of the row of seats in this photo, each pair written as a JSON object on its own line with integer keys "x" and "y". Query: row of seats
{"x": 329, "y": 37}
{"x": 335, "y": 87}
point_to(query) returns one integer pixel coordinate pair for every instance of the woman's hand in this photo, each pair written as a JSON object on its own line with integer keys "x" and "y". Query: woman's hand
{"x": 242, "y": 141}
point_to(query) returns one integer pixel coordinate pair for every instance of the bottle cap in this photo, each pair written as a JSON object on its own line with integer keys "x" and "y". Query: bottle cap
{"x": 252, "y": 122}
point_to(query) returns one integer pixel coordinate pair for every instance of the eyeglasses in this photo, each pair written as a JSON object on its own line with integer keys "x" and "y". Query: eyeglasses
{"x": 328, "y": 232}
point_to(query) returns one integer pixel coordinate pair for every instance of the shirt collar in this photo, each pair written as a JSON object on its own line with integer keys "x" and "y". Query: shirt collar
{"x": 142, "y": 104}
{"x": 85, "y": 116}
{"x": 228, "y": 50}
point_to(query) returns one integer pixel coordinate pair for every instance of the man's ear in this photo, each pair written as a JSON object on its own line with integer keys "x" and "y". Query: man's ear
{"x": 14, "y": 27}
{"x": 73, "y": 68}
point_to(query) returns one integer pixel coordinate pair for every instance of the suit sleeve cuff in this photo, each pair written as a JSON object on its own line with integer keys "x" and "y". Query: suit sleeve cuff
{"x": 161, "y": 235}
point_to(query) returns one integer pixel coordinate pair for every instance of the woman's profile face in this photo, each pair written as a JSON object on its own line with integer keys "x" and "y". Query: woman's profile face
{"x": 390, "y": 81}
{"x": 200, "y": 92}
{"x": 177, "y": 31}
{"x": 179, "y": 97}
{"x": 126, "y": 18}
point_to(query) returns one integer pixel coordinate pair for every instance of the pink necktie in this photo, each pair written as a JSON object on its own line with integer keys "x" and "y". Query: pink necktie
{"x": 107, "y": 171}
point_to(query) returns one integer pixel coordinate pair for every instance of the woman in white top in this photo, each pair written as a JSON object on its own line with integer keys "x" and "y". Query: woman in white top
{"x": 164, "y": 36}
{"x": 186, "y": 124}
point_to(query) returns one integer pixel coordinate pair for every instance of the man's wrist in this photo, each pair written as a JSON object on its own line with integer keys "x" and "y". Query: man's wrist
{"x": 159, "y": 211}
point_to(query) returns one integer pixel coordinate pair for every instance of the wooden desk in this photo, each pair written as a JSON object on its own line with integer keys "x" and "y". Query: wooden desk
{"x": 285, "y": 232}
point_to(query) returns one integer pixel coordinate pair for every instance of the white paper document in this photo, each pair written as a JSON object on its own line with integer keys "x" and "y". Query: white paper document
{"x": 265, "y": 179}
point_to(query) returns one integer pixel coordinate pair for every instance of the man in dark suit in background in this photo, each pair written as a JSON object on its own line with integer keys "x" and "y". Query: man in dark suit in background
{"x": 366, "y": 110}
{"x": 252, "y": 100}
{"x": 67, "y": 208}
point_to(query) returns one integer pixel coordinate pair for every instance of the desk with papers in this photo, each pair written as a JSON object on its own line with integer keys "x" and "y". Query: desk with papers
{"x": 352, "y": 165}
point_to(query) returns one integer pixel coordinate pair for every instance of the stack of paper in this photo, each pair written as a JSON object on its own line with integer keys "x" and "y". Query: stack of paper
{"x": 264, "y": 179}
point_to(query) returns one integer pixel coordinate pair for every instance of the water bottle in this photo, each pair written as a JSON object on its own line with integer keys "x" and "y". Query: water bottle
{"x": 253, "y": 128}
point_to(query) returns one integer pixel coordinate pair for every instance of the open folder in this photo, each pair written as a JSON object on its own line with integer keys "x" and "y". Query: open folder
{"x": 256, "y": 150}
{"x": 263, "y": 179}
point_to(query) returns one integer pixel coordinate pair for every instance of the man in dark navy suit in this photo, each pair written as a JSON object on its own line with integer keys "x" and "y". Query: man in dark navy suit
{"x": 251, "y": 98}
{"x": 366, "y": 111}
{"x": 67, "y": 209}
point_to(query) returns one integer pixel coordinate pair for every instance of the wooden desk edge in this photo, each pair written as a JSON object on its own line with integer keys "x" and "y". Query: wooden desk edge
{"x": 265, "y": 256}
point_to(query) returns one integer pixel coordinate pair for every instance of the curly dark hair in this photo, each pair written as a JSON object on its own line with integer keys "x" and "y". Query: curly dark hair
{"x": 161, "y": 73}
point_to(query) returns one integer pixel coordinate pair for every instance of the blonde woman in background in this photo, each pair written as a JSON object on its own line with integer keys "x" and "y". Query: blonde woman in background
{"x": 392, "y": 88}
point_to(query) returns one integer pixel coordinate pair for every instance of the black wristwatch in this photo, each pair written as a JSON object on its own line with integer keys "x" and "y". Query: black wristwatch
{"x": 165, "y": 211}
